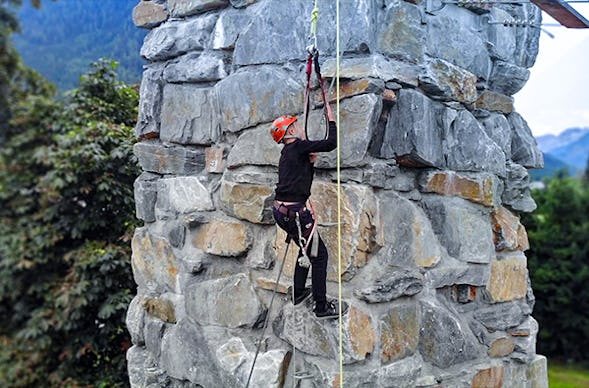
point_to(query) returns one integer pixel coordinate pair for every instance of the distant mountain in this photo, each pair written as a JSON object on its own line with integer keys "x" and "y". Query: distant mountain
{"x": 568, "y": 150}
{"x": 549, "y": 142}
{"x": 574, "y": 153}
{"x": 62, "y": 38}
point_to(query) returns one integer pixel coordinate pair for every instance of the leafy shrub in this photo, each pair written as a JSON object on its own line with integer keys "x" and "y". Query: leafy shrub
{"x": 66, "y": 216}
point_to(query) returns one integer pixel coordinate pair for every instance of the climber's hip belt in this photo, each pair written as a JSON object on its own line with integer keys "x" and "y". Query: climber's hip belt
{"x": 289, "y": 211}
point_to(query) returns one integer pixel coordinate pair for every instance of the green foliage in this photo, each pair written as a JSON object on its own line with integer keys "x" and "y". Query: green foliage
{"x": 559, "y": 269}
{"x": 66, "y": 214}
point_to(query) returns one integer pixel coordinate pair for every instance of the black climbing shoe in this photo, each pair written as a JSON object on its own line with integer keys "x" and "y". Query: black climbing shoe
{"x": 330, "y": 311}
{"x": 303, "y": 297}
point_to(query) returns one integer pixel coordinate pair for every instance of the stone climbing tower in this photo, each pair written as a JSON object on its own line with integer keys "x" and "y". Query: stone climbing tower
{"x": 434, "y": 175}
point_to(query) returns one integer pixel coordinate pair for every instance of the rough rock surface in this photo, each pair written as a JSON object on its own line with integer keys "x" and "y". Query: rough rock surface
{"x": 434, "y": 175}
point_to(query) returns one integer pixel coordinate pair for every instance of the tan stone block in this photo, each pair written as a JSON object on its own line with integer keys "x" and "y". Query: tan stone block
{"x": 523, "y": 244}
{"x": 450, "y": 183}
{"x": 160, "y": 308}
{"x": 270, "y": 284}
{"x": 494, "y": 101}
{"x": 247, "y": 201}
{"x": 153, "y": 260}
{"x": 359, "y": 217}
{"x": 508, "y": 279}
{"x": 362, "y": 334}
{"x": 501, "y": 347}
{"x": 425, "y": 257}
{"x": 214, "y": 160}
{"x": 280, "y": 249}
{"x": 505, "y": 229}
{"x": 489, "y": 378}
{"x": 223, "y": 238}
{"x": 349, "y": 89}
{"x": 149, "y": 14}
{"x": 399, "y": 333}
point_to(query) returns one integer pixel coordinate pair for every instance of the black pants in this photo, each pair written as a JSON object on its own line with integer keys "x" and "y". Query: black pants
{"x": 318, "y": 264}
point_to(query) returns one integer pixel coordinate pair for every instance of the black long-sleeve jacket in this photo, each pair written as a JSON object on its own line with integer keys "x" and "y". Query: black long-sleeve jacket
{"x": 295, "y": 170}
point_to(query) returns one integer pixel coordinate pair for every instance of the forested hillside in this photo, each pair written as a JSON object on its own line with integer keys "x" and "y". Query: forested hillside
{"x": 61, "y": 38}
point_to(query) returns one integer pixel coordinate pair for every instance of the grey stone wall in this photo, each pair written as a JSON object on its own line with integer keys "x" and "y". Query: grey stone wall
{"x": 434, "y": 171}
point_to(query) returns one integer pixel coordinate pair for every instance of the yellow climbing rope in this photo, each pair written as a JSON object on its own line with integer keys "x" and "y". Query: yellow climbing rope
{"x": 314, "y": 18}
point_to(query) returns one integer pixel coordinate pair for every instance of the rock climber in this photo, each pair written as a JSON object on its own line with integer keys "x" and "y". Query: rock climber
{"x": 295, "y": 176}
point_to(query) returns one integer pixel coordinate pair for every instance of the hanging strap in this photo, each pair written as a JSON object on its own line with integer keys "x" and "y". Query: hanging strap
{"x": 313, "y": 63}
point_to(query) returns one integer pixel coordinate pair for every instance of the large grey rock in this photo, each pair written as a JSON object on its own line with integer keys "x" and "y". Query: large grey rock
{"x": 185, "y": 355}
{"x": 254, "y": 146}
{"x": 135, "y": 320}
{"x": 525, "y": 341}
{"x": 524, "y": 148}
{"x": 392, "y": 286}
{"x": 507, "y": 78}
{"x": 230, "y": 302}
{"x": 197, "y": 67}
{"x": 145, "y": 194}
{"x": 412, "y": 133}
{"x": 527, "y": 39}
{"x": 154, "y": 331}
{"x": 264, "y": 39}
{"x": 177, "y": 37}
{"x": 137, "y": 362}
{"x": 445, "y": 340}
{"x": 498, "y": 129}
{"x": 374, "y": 66}
{"x": 189, "y": 115}
{"x": 501, "y": 39}
{"x": 159, "y": 158}
{"x": 401, "y": 33}
{"x": 448, "y": 82}
{"x": 502, "y": 316}
{"x": 299, "y": 326}
{"x": 454, "y": 42}
{"x": 183, "y": 195}
{"x": 180, "y": 8}
{"x": 468, "y": 148}
{"x": 451, "y": 272}
{"x": 358, "y": 119}
{"x": 517, "y": 194}
{"x": 399, "y": 374}
{"x": 463, "y": 228}
{"x": 150, "y": 103}
{"x": 276, "y": 39}
{"x": 269, "y": 370}
{"x": 249, "y": 98}
{"x": 409, "y": 240}
{"x": 248, "y": 201}
{"x": 229, "y": 25}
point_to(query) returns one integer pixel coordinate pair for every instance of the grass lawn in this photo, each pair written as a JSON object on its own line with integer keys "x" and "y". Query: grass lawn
{"x": 567, "y": 376}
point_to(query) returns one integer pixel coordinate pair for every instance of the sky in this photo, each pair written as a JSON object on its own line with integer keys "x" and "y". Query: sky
{"x": 556, "y": 96}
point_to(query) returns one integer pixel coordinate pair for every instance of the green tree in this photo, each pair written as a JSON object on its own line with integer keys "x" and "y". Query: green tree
{"x": 559, "y": 267}
{"x": 66, "y": 215}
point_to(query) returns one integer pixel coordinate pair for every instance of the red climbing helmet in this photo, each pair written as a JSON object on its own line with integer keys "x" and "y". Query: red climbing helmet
{"x": 280, "y": 126}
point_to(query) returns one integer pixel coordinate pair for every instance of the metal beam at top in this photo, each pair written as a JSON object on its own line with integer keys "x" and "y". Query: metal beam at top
{"x": 563, "y": 13}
